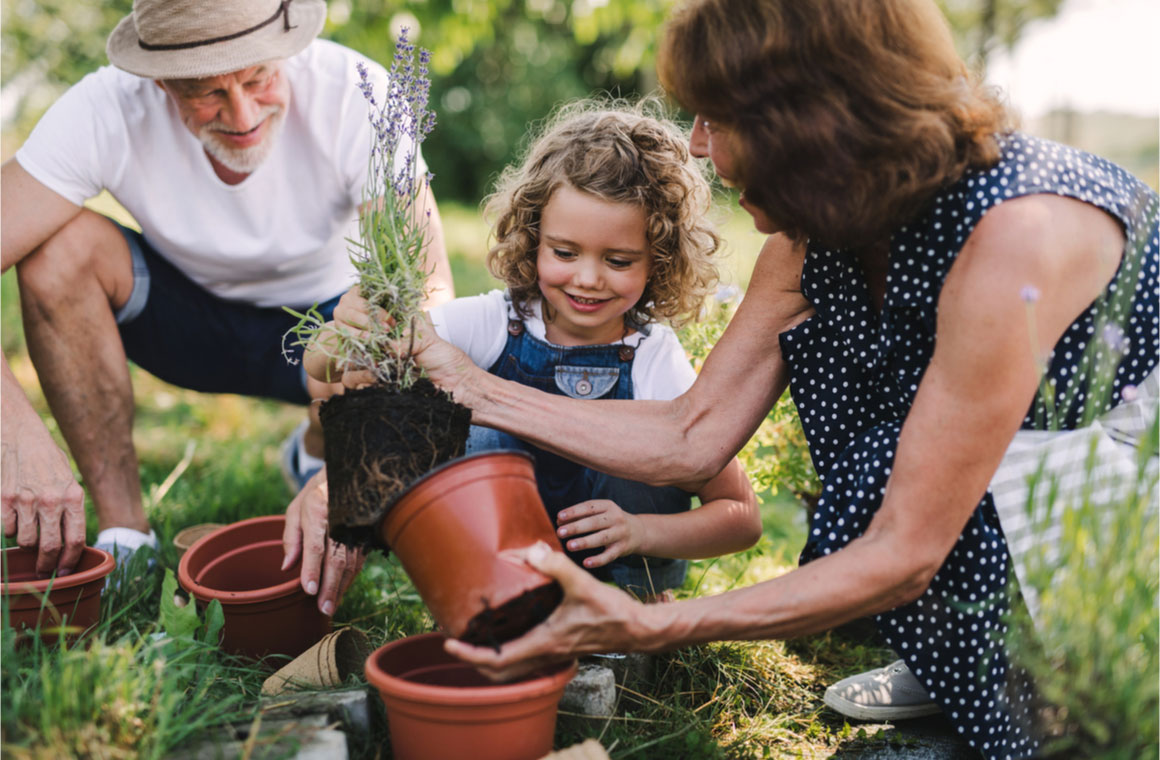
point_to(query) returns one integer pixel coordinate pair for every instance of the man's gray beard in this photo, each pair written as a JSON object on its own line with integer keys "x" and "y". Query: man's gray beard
{"x": 244, "y": 160}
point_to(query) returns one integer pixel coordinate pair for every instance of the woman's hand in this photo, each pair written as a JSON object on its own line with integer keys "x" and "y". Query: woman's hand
{"x": 328, "y": 567}
{"x": 605, "y": 524}
{"x": 593, "y": 617}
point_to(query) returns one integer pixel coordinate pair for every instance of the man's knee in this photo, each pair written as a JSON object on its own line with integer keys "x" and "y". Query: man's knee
{"x": 88, "y": 250}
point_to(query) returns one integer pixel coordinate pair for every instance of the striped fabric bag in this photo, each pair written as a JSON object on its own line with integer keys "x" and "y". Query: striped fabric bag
{"x": 1065, "y": 464}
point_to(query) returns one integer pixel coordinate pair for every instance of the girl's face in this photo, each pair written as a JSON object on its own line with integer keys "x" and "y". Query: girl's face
{"x": 593, "y": 263}
{"x": 717, "y": 143}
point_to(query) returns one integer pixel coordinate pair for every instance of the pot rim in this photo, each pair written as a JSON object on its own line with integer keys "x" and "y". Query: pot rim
{"x": 457, "y": 461}
{"x": 99, "y": 572}
{"x": 251, "y": 596}
{"x": 494, "y": 694}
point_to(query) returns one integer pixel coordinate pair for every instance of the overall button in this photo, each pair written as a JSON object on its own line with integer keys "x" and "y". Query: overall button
{"x": 626, "y": 353}
{"x": 586, "y": 382}
{"x": 515, "y": 327}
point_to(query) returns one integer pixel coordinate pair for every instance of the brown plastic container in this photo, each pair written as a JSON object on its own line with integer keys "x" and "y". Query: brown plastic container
{"x": 73, "y": 604}
{"x": 266, "y": 611}
{"x": 448, "y": 530}
{"x": 440, "y": 708}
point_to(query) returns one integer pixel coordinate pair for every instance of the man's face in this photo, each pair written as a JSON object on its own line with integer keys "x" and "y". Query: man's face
{"x": 236, "y": 115}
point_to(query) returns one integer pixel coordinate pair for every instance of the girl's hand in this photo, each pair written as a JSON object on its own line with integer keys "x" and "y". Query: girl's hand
{"x": 593, "y": 617}
{"x": 606, "y": 525}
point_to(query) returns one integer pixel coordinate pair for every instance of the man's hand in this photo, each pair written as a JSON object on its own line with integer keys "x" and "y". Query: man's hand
{"x": 42, "y": 503}
{"x": 593, "y": 617}
{"x": 328, "y": 567}
{"x": 605, "y": 524}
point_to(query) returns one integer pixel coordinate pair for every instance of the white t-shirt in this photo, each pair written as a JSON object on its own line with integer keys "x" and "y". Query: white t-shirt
{"x": 278, "y": 237}
{"x": 477, "y": 325}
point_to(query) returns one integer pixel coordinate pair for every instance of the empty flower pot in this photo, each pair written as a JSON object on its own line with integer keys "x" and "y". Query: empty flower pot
{"x": 449, "y": 529}
{"x": 189, "y": 536}
{"x": 266, "y": 611}
{"x": 440, "y": 708}
{"x": 70, "y": 604}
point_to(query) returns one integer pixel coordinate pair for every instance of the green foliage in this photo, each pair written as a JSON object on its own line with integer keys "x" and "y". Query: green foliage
{"x": 982, "y": 26}
{"x": 128, "y": 697}
{"x": 1093, "y": 649}
{"x": 777, "y": 455}
{"x": 499, "y": 65}
{"x": 180, "y": 619}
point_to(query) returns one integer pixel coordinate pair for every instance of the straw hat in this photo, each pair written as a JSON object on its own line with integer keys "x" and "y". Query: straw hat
{"x": 189, "y": 39}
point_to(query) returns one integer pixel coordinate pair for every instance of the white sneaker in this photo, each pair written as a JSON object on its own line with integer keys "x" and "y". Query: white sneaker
{"x": 885, "y": 694}
{"x": 295, "y": 470}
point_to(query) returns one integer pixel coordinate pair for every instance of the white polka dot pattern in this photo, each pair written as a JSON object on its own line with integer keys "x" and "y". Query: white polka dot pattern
{"x": 854, "y": 375}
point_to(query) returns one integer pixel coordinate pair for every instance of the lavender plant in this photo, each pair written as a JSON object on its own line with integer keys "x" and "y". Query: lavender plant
{"x": 391, "y": 252}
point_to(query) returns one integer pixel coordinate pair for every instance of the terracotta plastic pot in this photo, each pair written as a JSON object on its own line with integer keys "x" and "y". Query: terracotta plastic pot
{"x": 448, "y": 530}
{"x": 73, "y": 604}
{"x": 266, "y": 611}
{"x": 440, "y": 708}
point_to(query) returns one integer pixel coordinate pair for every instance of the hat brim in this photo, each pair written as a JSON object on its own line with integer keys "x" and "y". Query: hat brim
{"x": 266, "y": 44}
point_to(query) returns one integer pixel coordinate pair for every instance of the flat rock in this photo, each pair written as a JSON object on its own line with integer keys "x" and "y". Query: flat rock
{"x": 348, "y": 707}
{"x": 311, "y": 738}
{"x": 592, "y": 692}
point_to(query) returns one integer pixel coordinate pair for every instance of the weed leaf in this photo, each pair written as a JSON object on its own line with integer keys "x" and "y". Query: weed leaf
{"x": 178, "y": 622}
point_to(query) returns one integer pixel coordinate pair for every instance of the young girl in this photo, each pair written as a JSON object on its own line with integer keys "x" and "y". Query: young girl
{"x": 599, "y": 236}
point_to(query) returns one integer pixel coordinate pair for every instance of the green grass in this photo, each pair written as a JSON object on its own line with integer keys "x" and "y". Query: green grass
{"x": 213, "y": 458}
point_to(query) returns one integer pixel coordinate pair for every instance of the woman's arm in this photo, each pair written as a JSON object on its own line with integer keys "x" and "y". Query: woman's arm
{"x": 972, "y": 399}
{"x": 683, "y": 442}
{"x": 727, "y": 521}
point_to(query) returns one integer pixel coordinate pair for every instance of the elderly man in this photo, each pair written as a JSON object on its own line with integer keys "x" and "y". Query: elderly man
{"x": 240, "y": 144}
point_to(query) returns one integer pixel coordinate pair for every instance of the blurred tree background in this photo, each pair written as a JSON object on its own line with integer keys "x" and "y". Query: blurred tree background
{"x": 498, "y": 65}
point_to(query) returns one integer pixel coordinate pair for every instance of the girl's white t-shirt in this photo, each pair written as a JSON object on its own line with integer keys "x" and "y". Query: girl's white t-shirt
{"x": 278, "y": 237}
{"x": 477, "y": 325}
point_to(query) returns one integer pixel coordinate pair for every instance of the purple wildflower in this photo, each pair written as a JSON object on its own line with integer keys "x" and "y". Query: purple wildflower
{"x": 1029, "y": 294}
{"x": 1129, "y": 393}
{"x": 1114, "y": 338}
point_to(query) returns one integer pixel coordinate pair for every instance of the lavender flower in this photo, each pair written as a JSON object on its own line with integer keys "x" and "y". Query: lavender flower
{"x": 1129, "y": 393}
{"x": 390, "y": 254}
{"x": 1029, "y": 294}
{"x": 1114, "y": 338}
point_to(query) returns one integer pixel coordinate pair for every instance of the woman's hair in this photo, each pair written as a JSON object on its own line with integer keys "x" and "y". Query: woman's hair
{"x": 848, "y": 114}
{"x": 621, "y": 154}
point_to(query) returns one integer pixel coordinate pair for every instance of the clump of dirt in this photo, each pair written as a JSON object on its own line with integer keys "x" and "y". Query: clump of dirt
{"x": 497, "y": 625}
{"x": 378, "y": 441}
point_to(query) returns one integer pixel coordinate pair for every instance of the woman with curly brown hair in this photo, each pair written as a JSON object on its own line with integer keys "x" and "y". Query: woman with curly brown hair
{"x": 927, "y": 268}
{"x": 600, "y": 239}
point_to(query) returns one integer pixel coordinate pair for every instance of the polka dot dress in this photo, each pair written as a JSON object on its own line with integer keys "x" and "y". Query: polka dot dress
{"x": 854, "y": 375}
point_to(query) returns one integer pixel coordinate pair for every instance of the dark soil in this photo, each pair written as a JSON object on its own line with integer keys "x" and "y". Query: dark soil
{"x": 378, "y": 442}
{"x": 495, "y": 626}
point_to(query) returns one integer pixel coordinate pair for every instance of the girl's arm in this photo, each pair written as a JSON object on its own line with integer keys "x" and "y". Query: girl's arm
{"x": 972, "y": 399}
{"x": 684, "y": 442}
{"x": 727, "y": 521}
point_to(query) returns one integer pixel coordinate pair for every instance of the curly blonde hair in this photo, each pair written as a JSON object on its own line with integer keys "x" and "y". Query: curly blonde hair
{"x": 621, "y": 154}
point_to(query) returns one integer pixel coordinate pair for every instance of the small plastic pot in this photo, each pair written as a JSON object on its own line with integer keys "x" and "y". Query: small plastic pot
{"x": 448, "y": 530}
{"x": 189, "y": 536}
{"x": 73, "y": 603}
{"x": 440, "y": 708}
{"x": 266, "y": 611}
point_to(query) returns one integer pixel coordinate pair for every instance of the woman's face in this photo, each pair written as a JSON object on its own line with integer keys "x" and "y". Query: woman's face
{"x": 717, "y": 143}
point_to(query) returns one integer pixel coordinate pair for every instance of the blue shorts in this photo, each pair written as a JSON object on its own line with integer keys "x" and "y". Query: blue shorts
{"x": 183, "y": 334}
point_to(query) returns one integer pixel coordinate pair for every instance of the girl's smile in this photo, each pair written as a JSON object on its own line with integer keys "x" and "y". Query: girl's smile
{"x": 593, "y": 264}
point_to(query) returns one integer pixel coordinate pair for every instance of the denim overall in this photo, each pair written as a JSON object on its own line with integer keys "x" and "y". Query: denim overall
{"x": 585, "y": 372}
